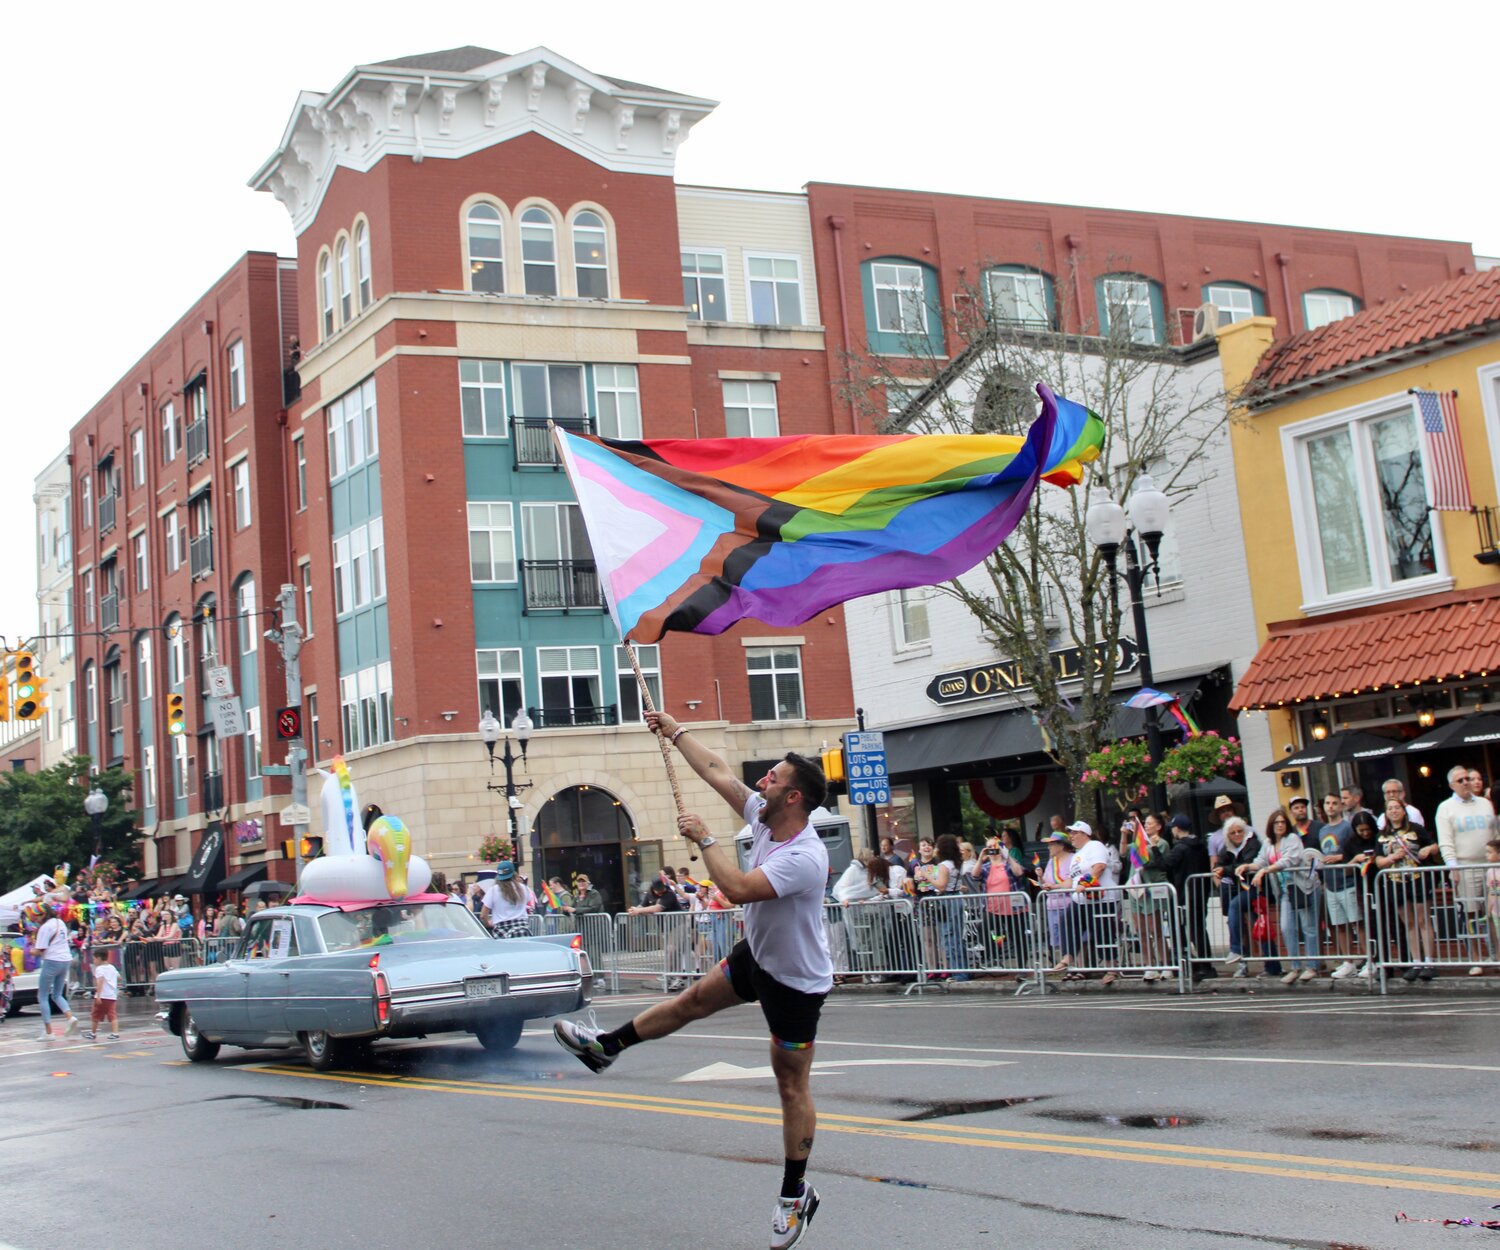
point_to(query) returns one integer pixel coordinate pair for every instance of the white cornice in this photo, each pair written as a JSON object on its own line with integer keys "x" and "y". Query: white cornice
{"x": 377, "y": 111}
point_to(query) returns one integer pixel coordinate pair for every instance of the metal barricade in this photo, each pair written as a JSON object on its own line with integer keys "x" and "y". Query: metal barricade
{"x": 143, "y": 962}
{"x": 670, "y": 947}
{"x": 1431, "y": 918}
{"x": 215, "y": 950}
{"x": 874, "y": 940}
{"x": 1098, "y": 934}
{"x": 550, "y": 923}
{"x": 598, "y": 931}
{"x": 1238, "y": 924}
{"x": 964, "y": 935}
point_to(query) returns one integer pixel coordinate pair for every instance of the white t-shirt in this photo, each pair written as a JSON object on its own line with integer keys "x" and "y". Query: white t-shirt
{"x": 786, "y": 933}
{"x": 51, "y": 942}
{"x": 106, "y": 982}
{"x": 1091, "y": 861}
{"x": 501, "y": 909}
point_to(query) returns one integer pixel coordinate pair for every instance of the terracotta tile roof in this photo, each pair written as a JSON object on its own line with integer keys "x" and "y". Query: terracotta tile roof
{"x": 1470, "y": 303}
{"x": 1454, "y": 635}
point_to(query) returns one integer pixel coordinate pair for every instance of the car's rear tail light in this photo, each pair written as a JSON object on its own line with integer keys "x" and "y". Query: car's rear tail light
{"x": 577, "y": 942}
{"x": 382, "y": 999}
{"x": 375, "y": 960}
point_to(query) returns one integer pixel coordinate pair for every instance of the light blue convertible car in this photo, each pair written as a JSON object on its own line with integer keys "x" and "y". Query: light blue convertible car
{"x": 333, "y": 978}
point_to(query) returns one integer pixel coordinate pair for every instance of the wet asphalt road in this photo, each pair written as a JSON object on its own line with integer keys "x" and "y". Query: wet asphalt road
{"x": 1299, "y": 1120}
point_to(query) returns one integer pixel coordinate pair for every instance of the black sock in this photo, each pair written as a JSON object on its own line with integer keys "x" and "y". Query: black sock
{"x": 791, "y": 1179}
{"x": 617, "y": 1039}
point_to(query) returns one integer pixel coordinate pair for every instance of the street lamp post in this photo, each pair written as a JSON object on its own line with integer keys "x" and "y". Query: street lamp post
{"x": 96, "y": 803}
{"x": 1110, "y": 528}
{"x": 490, "y": 731}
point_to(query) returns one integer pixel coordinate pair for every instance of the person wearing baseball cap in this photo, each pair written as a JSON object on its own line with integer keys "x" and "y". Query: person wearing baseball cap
{"x": 1224, "y": 808}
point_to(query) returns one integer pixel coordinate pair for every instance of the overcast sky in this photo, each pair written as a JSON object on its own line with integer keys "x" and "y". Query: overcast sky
{"x": 134, "y": 127}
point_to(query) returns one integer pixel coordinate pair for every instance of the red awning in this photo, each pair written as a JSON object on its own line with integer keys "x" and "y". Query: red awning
{"x": 1448, "y": 636}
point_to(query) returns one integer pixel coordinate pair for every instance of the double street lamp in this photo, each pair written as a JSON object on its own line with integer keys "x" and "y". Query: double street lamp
{"x": 1111, "y": 528}
{"x": 96, "y": 803}
{"x": 490, "y": 731}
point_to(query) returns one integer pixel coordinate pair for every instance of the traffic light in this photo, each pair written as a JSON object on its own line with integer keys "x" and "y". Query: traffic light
{"x": 176, "y": 715}
{"x": 832, "y": 761}
{"x": 31, "y": 699}
{"x": 310, "y": 847}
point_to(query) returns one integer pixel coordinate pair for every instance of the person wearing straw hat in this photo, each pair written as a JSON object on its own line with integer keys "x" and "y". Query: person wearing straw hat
{"x": 782, "y": 962}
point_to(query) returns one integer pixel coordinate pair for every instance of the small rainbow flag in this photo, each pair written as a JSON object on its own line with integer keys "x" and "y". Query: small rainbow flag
{"x": 551, "y": 897}
{"x": 696, "y": 534}
{"x": 1140, "y": 846}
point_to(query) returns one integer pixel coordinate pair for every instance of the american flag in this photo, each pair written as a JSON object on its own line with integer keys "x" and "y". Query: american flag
{"x": 1445, "y": 451}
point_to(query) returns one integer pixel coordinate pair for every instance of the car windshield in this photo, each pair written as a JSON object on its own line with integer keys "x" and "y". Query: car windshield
{"x": 398, "y": 924}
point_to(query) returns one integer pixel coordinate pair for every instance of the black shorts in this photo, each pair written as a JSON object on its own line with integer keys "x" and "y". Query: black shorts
{"x": 791, "y": 1015}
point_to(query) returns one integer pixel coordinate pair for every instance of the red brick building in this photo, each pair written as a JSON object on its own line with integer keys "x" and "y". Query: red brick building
{"x": 1055, "y": 266}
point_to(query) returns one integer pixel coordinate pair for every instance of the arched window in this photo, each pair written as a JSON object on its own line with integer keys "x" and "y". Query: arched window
{"x": 244, "y": 611}
{"x": 486, "y": 252}
{"x": 176, "y": 652}
{"x": 591, "y": 256}
{"x": 583, "y": 814}
{"x": 1324, "y": 305}
{"x": 901, "y": 306}
{"x": 539, "y": 252}
{"x": 1236, "y": 301}
{"x": 325, "y": 293}
{"x": 1131, "y": 305}
{"x": 346, "y": 285}
{"x": 362, "y": 265}
{"x": 1020, "y": 297}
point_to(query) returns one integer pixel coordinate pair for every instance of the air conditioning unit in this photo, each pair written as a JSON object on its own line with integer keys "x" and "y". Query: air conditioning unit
{"x": 1205, "y": 322}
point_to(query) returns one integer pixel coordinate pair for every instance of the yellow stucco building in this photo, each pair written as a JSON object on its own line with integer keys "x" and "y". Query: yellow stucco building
{"x": 1376, "y": 610}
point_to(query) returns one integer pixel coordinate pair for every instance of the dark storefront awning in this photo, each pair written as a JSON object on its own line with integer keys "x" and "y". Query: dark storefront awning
{"x": 208, "y": 861}
{"x": 165, "y": 886}
{"x": 996, "y": 741}
{"x": 1348, "y": 747}
{"x": 140, "y": 890}
{"x": 1460, "y": 733}
{"x": 247, "y": 875}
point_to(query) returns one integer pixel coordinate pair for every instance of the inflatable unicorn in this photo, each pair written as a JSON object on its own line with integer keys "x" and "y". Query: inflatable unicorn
{"x": 358, "y": 866}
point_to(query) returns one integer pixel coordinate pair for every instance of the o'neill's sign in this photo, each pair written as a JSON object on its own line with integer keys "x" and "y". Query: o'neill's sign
{"x": 1005, "y": 677}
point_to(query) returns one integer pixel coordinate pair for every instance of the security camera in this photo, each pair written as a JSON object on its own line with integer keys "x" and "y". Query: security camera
{"x": 515, "y": 801}
{"x": 273, "y": 635}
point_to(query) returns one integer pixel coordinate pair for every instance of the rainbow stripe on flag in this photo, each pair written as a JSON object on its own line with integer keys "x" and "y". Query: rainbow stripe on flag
{"x": 1140, "y": 845}
{"x": 696, "y": 534}
{"x": 550, "y": 895}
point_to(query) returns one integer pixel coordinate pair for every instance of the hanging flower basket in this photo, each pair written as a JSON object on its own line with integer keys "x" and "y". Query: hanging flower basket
{"x": 1200, "y": 759}
{"x": 495, "y": 848}
{"x": 1125, "y": 767}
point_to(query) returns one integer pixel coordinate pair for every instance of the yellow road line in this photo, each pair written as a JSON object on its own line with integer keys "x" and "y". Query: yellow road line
{"x": 1061, "y": 1144}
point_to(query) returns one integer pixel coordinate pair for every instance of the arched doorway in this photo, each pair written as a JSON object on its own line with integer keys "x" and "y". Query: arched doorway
{"x": 587, "y": 829}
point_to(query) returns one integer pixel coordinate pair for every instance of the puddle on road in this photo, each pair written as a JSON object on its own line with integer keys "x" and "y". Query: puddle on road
{"x": 1122, "y": 1121}
{"x": 276, "y": 1100}
{"x": 973, "y": 1106}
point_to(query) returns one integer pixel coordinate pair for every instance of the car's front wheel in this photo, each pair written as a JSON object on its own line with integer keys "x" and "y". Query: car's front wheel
{"x": 500, "y": 1035}
{"x": 194, "y": 1045}
{"x": 323, "y": 1052}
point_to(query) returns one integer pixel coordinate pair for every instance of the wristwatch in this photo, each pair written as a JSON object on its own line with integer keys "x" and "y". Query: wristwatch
{"x": 709, "y": 841}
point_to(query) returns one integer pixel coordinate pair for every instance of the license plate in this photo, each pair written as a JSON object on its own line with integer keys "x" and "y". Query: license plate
{"x": 484, "y": 987}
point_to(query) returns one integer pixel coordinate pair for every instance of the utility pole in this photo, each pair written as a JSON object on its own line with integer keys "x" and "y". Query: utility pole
{"x": 289, "y": 639}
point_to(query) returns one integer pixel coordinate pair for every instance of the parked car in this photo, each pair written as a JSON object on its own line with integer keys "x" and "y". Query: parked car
{"x": 333, "y": 978}
{"x": 21, "y": 989}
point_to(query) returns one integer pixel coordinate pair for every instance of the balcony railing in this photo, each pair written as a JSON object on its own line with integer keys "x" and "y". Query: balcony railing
{"x": 560, "y": 585}
{"x": 201, "y": 554}
{"x": 106, "y": 513}
{"x": 533, "y": 440}
{"x": 197, "y": 441}
{"x": 1488, "y": 520}
{"x": 211, "y": 791}
{"x": 109, "y": 611}
{"x": 574, "y": 717}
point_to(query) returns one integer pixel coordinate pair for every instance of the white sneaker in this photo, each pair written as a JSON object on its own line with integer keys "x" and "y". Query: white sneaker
{"x": 1151, "y": 974}
{"x": 72, "y": 1026}
{"x": 1308, "y": 974}
{"x": 1345, "y": 969}
{"x": 792, "y": 1217}
{"x": 1234, "y": 958}
{"x": 1242, "y": 971}
{"x": 1367, "y": 971}
{"x": 114, "y": 1037}
{"x": 1290, "y": 977}
{"x": 89, "y": 1035}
